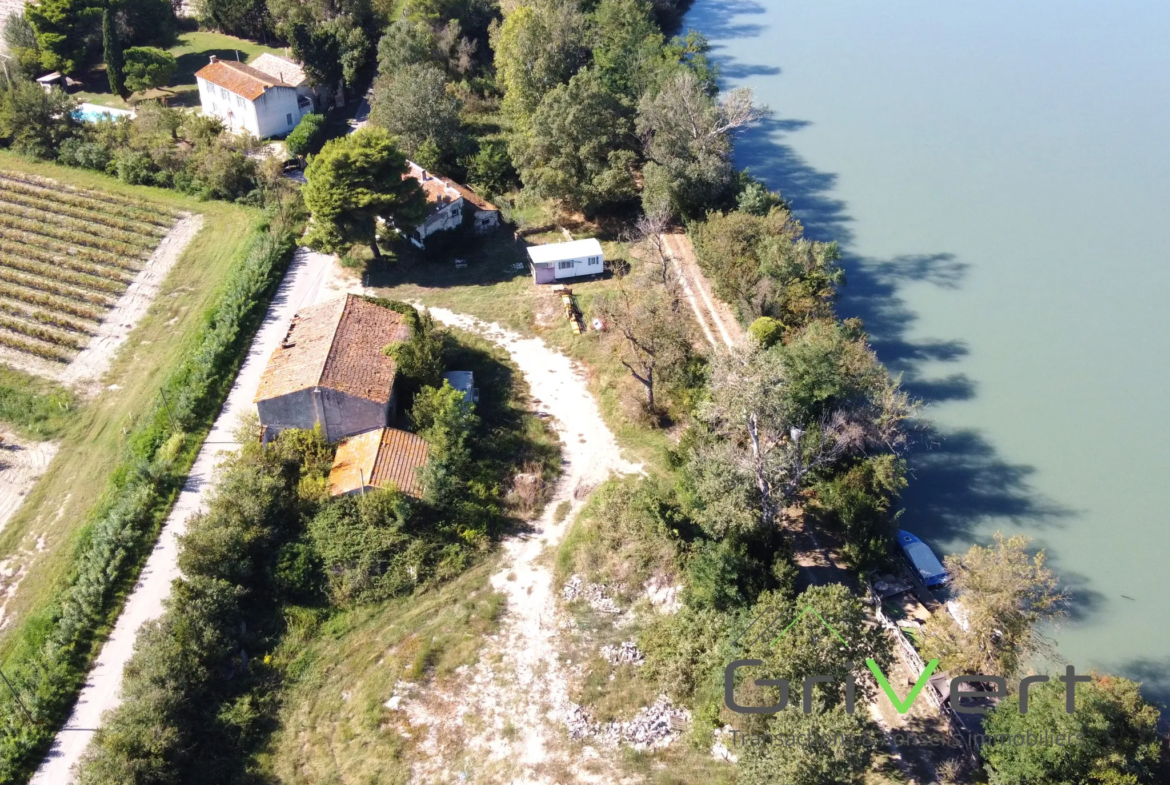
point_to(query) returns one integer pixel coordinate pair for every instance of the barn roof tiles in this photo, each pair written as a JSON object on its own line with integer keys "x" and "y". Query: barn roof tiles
{"x": 379, "y": 457}
{"x": 336, "y": 345}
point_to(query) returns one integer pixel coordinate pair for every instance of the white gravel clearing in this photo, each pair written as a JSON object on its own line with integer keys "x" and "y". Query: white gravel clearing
{"x": 94, "y": 360}
{"x": 301, "y": 286}
{"x": 519, "y": 682}
{"x": 22, "y": 463}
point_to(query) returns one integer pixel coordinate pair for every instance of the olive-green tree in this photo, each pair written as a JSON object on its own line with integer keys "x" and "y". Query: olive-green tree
{"x": 577, "y": 146}
{"x": 148, "y": 68}
{"x": 1004, "y": 594}
{"x": 354, "y": 182}
{"x": 1111, "y": 738}
{"x": 412, "y": 102}
{"x": 540, "y": 45}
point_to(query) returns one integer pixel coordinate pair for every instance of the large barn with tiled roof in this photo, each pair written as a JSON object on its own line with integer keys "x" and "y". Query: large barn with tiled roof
{"x": 330, "y": 370}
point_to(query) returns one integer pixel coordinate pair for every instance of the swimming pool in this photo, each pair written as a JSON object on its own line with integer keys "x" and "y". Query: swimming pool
{"x": 92, "y": 113}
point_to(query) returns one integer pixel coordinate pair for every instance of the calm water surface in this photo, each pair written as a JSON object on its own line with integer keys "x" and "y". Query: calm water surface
{"x": 999, "y": 177}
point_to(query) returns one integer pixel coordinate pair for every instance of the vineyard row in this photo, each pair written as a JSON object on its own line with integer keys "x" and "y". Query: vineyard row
{"x": 135, "y": 236}
{"x": 132, "y": 208}
{"x": 84, "y": 237}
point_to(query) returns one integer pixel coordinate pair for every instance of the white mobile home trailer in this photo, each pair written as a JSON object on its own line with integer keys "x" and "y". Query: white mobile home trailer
{"x": 555, "y": 261}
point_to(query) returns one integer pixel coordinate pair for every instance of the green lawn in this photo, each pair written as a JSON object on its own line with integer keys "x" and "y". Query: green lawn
{"x": 193, "y": 51}
{"x": 40, "y": 538}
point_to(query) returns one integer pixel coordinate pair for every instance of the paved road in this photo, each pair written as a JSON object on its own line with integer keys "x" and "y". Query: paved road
{"x": 302, "y": 285}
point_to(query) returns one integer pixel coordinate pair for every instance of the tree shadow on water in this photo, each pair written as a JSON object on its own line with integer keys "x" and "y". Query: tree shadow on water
{"x": 959, "y": 481}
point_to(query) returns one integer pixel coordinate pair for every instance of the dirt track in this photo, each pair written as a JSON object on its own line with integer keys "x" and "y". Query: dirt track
{"x": 518, "y": 687}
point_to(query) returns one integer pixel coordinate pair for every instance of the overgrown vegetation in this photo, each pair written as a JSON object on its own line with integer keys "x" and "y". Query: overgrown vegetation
{"x": 273, "y": 535}
{"x": 35, "y": 407}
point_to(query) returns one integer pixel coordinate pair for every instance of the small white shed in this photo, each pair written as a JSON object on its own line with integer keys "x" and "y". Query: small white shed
{"x": 555, "y": 261}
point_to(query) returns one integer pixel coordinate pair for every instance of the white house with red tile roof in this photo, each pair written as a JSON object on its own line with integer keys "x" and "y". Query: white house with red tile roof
{"x": 246, "y": 98}
{"x": 330, "y": 370}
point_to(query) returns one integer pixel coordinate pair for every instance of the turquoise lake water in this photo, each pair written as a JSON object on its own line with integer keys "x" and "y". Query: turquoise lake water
{"x": 998, "y": 175}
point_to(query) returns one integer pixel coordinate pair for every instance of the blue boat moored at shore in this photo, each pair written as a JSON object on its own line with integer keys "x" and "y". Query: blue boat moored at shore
{"x": 929, "y": 568}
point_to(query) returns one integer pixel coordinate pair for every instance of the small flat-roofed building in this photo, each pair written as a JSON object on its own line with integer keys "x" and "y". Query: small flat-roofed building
{"x": 376, "y": 459}
{"x": 464, "y": 382}
{"x": 555, "y": 261}
{"x": 330, "y": 370}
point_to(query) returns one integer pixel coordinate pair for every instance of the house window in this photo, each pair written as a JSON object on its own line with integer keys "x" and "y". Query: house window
{"x": 239, "y": 100}
{"x": 566, "y": 265}
{"x": 594, "y": 260}
{"x": 288, "y": 118}
{"x": 214, "y": 108}
{"x": 223, "y": 93}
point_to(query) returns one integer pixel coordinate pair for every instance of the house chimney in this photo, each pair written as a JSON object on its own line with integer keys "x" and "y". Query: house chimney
{"x": 214, "y": 59}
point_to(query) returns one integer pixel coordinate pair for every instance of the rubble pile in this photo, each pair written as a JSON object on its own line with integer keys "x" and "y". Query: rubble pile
{"x": 593, "y": 593}
{"x": 625, "y": 654}
{"x": 655, "y": 726}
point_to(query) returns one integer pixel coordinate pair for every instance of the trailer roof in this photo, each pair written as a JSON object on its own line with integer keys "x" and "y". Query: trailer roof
{"x": 556, "y": 252}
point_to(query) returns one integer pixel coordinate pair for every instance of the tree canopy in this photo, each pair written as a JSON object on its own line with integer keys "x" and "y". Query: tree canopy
{"x": 355, "y": 181}
{"x": 1004, "y": 593}
{"x": 148, "y": 67}
{"x": 412, "y": 102}
{"x": 576, "y": 147}
{"x": 538, "y": 47}
{"x": 1117, "y": 741}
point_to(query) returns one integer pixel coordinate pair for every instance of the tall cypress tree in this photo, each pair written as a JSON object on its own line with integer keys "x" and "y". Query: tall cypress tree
{"x": 113, "y": 53}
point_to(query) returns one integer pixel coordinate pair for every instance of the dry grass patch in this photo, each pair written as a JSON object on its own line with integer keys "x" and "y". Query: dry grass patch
{"x": 335, "y": 723}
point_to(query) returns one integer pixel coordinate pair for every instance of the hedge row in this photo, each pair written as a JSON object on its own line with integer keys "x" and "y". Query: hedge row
{"x": 49, "y": 662}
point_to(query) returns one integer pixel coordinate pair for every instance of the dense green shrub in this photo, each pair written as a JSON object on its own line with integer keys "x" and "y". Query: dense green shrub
{"x": 1117, "y": 741}
{"x": 307, "y": 137}
{"x": 766, "y": 330}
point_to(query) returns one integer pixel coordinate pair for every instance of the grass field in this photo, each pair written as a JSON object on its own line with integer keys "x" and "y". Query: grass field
{"x": 334, "y": 724}
{"x": 37, "y": 544}
{"x": 193, "y": 51}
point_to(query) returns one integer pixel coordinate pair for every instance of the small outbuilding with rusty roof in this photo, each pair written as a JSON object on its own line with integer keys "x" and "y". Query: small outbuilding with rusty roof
{"x": 376, "y": 459}
{"x": 330, "y": 370}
